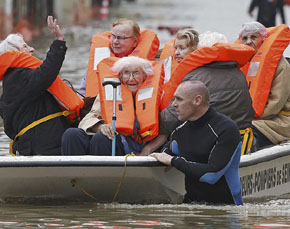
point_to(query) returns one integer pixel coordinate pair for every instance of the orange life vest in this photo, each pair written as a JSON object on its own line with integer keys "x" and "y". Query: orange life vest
{"x": 64, "y": 95}
{"x": 147, "y": 101}
{"x": 218, "y": 52}
{"x": 261, "y": 69}
{"x": 147, "y": 48}
{"x": 168, "y": 60}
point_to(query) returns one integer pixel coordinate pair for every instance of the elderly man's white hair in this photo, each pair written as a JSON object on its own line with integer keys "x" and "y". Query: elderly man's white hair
{"x": 253, "y": 27}
{"x": 209, "y": 38}
{"x": 13, "y": 42}
{"x": 133, "y": 61}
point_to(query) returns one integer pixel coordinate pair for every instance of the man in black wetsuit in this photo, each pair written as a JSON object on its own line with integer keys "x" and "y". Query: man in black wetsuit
{"x": 205, "y": 147}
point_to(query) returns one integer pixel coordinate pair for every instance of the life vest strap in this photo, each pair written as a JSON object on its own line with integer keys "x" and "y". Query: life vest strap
{"x": 284, "y": 113}
{"x": 247, "y": 140}
{"x": 146, "y": 133}
{"x": 35, "y": 123}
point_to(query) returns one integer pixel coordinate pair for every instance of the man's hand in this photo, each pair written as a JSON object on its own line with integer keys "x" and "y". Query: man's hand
{"x": 162, "y": 157}
{"x": 54, "y": 28}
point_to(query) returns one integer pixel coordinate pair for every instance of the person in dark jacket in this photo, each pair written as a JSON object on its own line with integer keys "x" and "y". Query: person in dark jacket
{"x": 229, "y": 93}
{"x": 25, "y": 98}
{"x": 204, "y": 146}
{"x": 267, "y": 11}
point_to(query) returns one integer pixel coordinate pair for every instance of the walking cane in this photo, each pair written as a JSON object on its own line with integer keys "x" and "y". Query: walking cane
{"x": 114, "y": 85}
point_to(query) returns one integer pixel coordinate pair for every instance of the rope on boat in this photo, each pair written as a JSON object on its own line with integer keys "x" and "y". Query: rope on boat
{"x": 122, "y": 179}
{"x": 74, "y": 182}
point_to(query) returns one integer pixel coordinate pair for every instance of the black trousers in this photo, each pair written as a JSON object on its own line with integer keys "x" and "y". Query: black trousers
{"x": 261, "y": 140}
{"x": 76, "y": 142}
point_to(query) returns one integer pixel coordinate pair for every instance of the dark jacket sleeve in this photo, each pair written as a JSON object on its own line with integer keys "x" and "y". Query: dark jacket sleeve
{"x": 253, "y": 4}
{"x": 220, "y": 156}
{"x": 280, "y": 7}
{"x": 36, "y": 81}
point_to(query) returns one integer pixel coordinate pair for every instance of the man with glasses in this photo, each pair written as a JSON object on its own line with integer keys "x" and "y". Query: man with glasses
{"x": 125, "y": 39}
{"x": 268, "y": 77}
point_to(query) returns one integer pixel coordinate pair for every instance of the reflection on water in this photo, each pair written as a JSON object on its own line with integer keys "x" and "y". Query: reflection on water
{"x": 225, "y": 17}
{"x": 140, "y": 216}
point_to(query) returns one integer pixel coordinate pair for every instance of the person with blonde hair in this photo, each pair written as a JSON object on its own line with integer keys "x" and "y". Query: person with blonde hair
{"x": 225, "y": 81}
{"x": 95, "y": 133}
{"x": 186, "y": 41}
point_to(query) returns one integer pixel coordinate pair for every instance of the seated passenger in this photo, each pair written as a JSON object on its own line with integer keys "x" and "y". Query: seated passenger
{"x": 172, "y": 54}
{"x": 31, "y": 92}
{"x": 185, "y": 42}
{"x": 136, "y": 112}
{"x": 205, "y": 147}
{"x": 217, "y": 66}
{"x": 271, "y": 97}
{"x": 125, "y": 39}
{"x": 174, "y": 51}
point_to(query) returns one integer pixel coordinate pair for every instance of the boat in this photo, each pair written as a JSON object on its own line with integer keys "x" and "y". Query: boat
{"x": 130, "y": 179}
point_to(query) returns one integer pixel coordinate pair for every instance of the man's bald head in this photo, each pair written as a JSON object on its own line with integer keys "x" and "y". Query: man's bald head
{"x": 191, "y": 100}
{"x": 195, "y": 87}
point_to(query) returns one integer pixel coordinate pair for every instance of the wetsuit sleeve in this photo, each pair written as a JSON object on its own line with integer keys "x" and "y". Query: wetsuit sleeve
{"x": 220, "y": 156}
{"x": 37, "y": 81}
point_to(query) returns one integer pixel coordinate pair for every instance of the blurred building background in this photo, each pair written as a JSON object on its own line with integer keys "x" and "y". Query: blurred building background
{"x": 28, "y": 16}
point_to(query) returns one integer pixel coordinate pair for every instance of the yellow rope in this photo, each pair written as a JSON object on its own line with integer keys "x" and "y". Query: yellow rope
{"x": 82, "y": 190}
{"x": 122, "y": 179}
{"x": 247, "y": 140}
{"x": 119, "y": 187}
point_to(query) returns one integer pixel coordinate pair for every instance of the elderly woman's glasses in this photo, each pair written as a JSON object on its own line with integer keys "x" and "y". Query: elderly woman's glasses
{"x": 120, "y": 38}
{"x": 127, "y": 74}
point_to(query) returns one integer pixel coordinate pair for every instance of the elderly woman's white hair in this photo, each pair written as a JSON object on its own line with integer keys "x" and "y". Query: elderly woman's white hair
{"x": 133, "y": 61}
{"x": 209, "y": 38}
{"x": 253, "y": 27}
{"x": 12, "y": 42}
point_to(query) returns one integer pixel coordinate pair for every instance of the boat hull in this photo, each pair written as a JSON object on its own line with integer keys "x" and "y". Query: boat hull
{"x": 89, "y": 178}
{"x": 264, "y": 174}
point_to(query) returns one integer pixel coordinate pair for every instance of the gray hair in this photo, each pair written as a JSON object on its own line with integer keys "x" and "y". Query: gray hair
{"x": 13, "y": 42}
{"x": 254, "y": 27}
{"x": 209, "y": 38}
{"x": 133, "y": 61}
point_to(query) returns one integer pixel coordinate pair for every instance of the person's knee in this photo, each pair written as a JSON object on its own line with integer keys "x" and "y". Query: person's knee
{"x": 100, "y": 145}
{"x": 74, "y": 142}
{"x": 71, "y": 134}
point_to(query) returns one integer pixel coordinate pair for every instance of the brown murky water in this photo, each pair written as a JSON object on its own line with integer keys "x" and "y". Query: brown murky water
{"x": 225, "y": 16}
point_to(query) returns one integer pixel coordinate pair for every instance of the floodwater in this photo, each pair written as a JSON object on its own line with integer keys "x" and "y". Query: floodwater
{"x": 225, "y": 16}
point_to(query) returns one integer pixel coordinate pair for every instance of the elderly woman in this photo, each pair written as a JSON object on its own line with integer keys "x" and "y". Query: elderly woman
{"x": 95, "y": 133}
{"x": 26, "y": 99}
{"x": 15, "y": 42}
{"x": 272, "y": 121}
